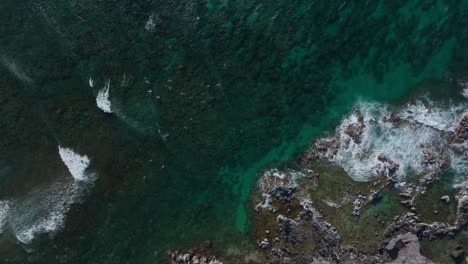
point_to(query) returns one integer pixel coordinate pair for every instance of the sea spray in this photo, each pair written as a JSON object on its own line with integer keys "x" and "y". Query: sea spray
{"x": 102, "y": 99}
{"x": 76, "y": 163}
{"x": 377, "y": 139}
{"x": 43, "y": 209}
{"x": 5, "y": 207}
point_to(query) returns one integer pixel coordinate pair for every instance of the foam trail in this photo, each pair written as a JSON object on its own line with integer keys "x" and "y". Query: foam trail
{"x": 43, "y": 210}
{"x": 91, "y": 82}
{"x": 75, "y": 163}
{"x": 431, "y": 115}
{"x": 16, "y": 70}
{"x": 102, "y": 99}
{"x": 5, "y": 207}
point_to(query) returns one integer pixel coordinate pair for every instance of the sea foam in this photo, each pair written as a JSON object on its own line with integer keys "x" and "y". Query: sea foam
{"x": 465, "y": 93}
{"x": 5, "y": 207}
{"x": 76, "y": 163}
{"x": 421, "y": 131}
{"x": 102, "y": 99}
{"x": 43, "y": 210}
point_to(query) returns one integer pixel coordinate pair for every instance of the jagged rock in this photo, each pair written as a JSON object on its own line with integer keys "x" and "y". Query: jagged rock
{"x": 264, "y": 244}
{"x": 358, "y": 204}
{"x": 405, "y": 195}
{"x": 388, "y": 167}
{"x": 355, "y": 130}
{"x": 435, "y": 160}
{"x": 407, "y": 250}
{"x": 393, "y": 118}
{"x": 192, "y": 257}
{"x": 407, "y": 203}
{"x": 374, "y": 196}
{"x": 427, "y": 179}
{"x": 401, "y": 225}
{"x": 445, "y": 199}
{"x": 460, "y": 133}
{"x": 434, "y": 230}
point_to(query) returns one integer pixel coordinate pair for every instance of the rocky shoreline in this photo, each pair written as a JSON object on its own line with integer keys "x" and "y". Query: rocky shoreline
{"x": 303, "y": 215}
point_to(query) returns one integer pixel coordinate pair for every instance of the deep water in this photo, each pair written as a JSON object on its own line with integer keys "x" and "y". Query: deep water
{"x": 203, "y": 95}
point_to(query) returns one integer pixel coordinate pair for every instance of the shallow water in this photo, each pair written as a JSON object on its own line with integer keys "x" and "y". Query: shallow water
{"x": 203, "y": 94}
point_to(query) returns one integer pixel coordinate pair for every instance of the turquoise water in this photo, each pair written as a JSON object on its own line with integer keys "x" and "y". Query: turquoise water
{"x": 204, "y": 94}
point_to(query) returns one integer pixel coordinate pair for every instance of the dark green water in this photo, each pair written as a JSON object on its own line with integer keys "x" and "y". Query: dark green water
{"x": 176, "y": 160}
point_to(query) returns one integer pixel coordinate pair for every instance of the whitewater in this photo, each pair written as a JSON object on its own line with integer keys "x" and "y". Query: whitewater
{"x": 43, "y": 210}
{"x": 414, "y": 139}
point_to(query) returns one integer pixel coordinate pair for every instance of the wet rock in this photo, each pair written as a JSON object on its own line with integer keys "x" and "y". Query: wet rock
{"x": 434, "y": 230}
{"x": 393, "y": 118}
{"x": 355, "y": 130}
{"x": 407, "y": 203}
{"x": 374, "y": 196}
{"x": 279, "y": 186}
{"x": 405, "y": 195}
{"x": 401, "y": 225}
{"x": 358, "y": 204}
{"x": 324, "y": 149}
{"x": 435, "y": 159}
{"x": 388, "y": 166}
{"x": 406, "y": 248}
{"x": 460, "y": 133}
{"x": 264, "y": 244}
{"x": 427, "y": 179}
{"x": 193, "y": 256}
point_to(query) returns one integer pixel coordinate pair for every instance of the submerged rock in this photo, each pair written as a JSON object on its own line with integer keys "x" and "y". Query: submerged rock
{"x": 458, "y": 253}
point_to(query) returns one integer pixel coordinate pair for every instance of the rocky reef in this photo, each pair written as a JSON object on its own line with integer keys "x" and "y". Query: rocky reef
{"x": 198, "y": 255}
{"x": 303, "y": 215}
{"x": 369, "y": 193}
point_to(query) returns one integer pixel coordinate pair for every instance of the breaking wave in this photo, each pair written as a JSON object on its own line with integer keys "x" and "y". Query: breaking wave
{"x": 377, "y": 139}
{"x": 102, "y": 99}
{"x": 43, "y": 210}
{"x": 4, "y": 212}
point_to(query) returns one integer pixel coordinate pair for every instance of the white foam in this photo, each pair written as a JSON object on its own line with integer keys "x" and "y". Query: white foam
{"x": 49, "y": 224}
{"x": 91, "y": 82}
{"x": 465, "y": 93}
{"x": 151, "y": 23}
{"x": 43, "y": 210}
{"x": 431, "y": 115}
{"x": 102, "y": 99}
{"x": 464, "y": 84}
{"x": 76, "y": 163}
{"x": 459, "y": 165}
{"x": 5, "y": 207}
{"x": 423, "y": 129}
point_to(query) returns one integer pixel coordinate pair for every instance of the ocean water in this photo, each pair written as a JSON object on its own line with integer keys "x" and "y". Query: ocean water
{"x": 133, "y": 127}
